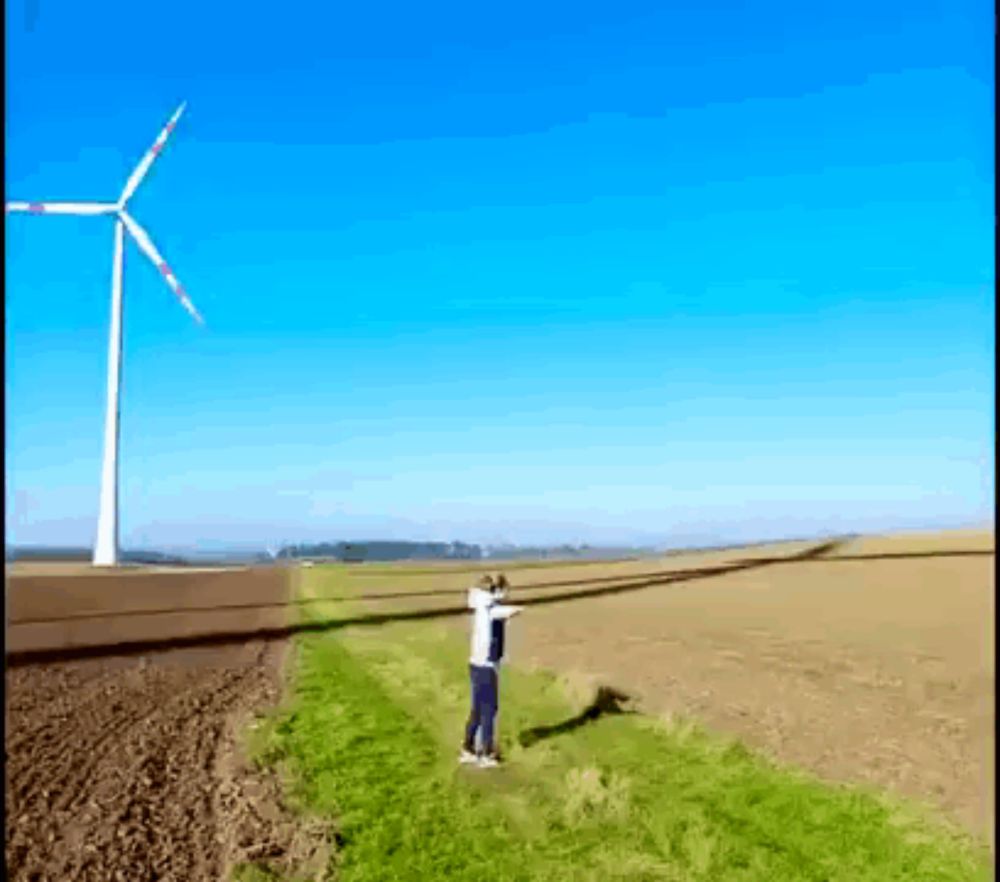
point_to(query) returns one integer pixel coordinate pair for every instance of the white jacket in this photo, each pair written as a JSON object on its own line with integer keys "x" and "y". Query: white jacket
{"x": 486, "y": 650}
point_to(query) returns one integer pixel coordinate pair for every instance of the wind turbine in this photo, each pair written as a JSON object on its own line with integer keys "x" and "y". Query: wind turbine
{"x": 106, "y": 547}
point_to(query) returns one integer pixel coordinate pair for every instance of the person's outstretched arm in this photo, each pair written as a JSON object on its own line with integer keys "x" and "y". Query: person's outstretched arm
{"x": 503, "y": 611}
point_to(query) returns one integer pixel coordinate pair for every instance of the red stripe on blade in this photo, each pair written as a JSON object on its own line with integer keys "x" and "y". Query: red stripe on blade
{"x": 36, "y": 207}
{"x": 164, "y": 269}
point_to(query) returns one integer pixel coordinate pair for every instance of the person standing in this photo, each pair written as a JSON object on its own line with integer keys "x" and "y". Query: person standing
{"x": 489, "y": 616}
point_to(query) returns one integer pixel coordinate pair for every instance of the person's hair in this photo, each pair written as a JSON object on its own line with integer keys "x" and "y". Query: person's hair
{"x": 485, "y": 581}
{"x": 501, "y": 582}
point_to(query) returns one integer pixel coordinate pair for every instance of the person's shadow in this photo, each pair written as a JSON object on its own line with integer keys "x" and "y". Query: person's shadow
{"x": 608, "y": 701}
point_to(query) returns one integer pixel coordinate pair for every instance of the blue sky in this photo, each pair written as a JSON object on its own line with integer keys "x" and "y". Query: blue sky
{"x": 643, "y": 271}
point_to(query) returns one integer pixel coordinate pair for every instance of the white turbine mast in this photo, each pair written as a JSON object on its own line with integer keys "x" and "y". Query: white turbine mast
{"x": 106, "y": 546}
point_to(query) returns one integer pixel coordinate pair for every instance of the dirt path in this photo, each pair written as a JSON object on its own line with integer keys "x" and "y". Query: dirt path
{"x": 131, "y": 768}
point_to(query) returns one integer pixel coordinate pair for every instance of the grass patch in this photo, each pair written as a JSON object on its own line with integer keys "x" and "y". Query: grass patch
{"x": 370, "y": 739}
{"x": 254, "y": 873}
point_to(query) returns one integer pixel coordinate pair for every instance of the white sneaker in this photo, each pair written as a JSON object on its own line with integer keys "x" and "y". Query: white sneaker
{"x": 488, "y": 762}
{"x": 466, "y": 759}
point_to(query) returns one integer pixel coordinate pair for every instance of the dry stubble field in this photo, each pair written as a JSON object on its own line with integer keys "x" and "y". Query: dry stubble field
{"x": 877, "y": 671}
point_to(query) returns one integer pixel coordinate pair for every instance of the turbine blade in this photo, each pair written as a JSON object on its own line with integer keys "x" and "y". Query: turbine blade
{"x": 149, "y": 249}
{"x": 140, "y": 170}
{"x": 81, "y": 208}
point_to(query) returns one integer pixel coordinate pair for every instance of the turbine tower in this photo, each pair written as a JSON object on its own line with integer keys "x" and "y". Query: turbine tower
{"x": 106, "y": 547}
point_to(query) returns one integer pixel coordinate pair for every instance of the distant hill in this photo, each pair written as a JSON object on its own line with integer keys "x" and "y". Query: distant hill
{"x": 384, "y": 550}
{"x": 374, "y": 550}
{"x": 48, "y": 553}
{"x": 84, "y": 555}
{"x": 58, "y": 554}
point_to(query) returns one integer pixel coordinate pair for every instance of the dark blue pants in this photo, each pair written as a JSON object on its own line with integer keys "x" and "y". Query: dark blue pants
{"x": 484, "y": 708}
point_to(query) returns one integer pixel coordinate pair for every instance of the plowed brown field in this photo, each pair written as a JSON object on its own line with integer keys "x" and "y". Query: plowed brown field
{"x": 127, "y": 764}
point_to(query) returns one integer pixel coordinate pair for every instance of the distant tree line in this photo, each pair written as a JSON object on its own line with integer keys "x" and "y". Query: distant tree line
{"x": 382, "y": 550}
{"x": 563, "y": 552}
